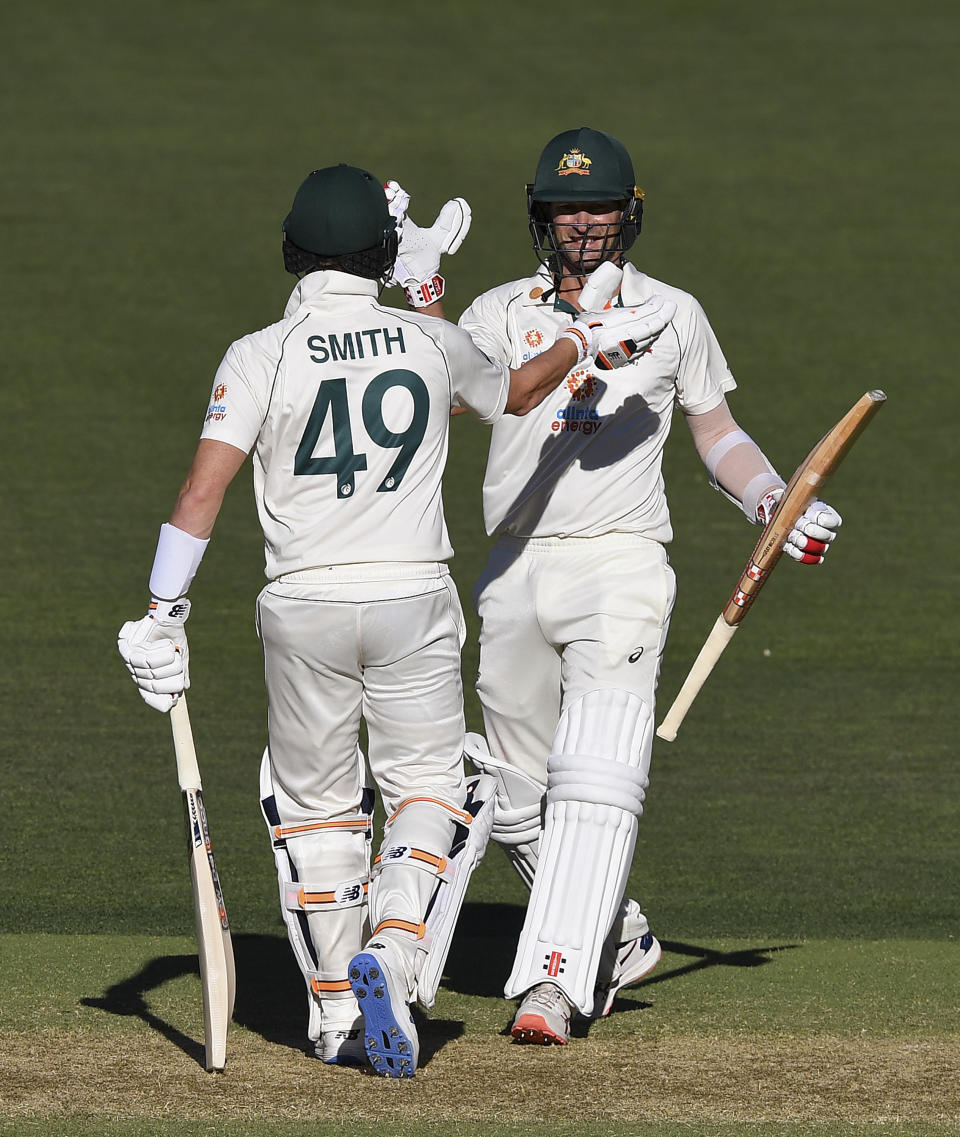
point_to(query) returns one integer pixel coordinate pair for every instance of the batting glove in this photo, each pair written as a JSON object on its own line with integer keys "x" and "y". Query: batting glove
{"x": 156, "y": 654}
{"x": 809, "y": 540}
{"x": 615, "y": 336}
{"x": 417, "y": 267}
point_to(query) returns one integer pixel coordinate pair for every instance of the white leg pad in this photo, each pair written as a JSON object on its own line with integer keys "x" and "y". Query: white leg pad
{"x": 596, "y": 781}
{"x": 323, "y": 874}
{"x": 420, "y": 878}
{"x": 519, "y": 808}
{"x": 469, "y": 845}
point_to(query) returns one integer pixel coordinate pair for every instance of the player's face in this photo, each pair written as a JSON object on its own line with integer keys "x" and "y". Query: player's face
{"x": 587, "y": 232}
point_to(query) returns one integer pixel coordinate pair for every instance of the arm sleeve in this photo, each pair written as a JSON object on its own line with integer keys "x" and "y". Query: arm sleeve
{"x": 485, "y": 323}
{"x": 703, "y": 376}
{"x": 236, "y": 411}
{"x": 478, "y": 383}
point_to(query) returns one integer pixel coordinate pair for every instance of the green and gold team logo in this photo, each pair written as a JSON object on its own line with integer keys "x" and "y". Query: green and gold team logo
{"x": 574, "y": 162}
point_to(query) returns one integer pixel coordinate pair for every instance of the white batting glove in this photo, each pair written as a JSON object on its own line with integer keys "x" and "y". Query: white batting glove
{"x": 809, "y": 540}
{"x": 615, "y": 336}
{"x": 156, "y": 654}
{"x": 417, "y": 268}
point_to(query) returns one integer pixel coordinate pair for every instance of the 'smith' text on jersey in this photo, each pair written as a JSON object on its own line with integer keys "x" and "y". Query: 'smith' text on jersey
{"x": 368, "y": 343}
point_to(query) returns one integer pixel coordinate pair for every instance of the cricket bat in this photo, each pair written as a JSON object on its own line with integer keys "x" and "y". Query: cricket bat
{"x": 214, "y": 946}
{"x": 804, "y": 487}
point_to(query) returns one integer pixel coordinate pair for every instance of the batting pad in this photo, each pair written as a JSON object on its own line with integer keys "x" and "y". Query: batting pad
{"x": 323, "y": 874}
{"x": 596, "y": 780}
{"x": 519, "y": 802}
{"x": 470, "y": 843}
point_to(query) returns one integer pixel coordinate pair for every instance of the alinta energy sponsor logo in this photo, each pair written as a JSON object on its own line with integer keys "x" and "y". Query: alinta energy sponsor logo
{"x": 218, "y": 408}
{"x": 582, "y": 386}
{"x": 534, "y": 340}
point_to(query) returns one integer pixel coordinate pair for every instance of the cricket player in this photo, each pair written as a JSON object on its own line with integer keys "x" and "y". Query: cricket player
{"x": 344, "y": 405}
{"x": 576, "y": 597}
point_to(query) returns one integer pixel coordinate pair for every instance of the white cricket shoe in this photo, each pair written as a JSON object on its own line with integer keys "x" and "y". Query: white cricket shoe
{"x": 342, "y": 1046}
{"x": 543, "y": 1016}
{"x": 634, "y": 959}
{"x": 390, "y": 1036}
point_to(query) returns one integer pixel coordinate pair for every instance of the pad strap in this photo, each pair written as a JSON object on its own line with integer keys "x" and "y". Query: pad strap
{"x": 314, "y": 898}
{"x": 418, "y": 858}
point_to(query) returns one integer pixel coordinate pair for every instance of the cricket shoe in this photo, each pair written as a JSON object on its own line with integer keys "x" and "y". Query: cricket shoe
{"x": 634, "y": 959}
{"x": 543, "y": 1016}
{"x": 342, "y": 1046}
{"x": 390, "y": 1036}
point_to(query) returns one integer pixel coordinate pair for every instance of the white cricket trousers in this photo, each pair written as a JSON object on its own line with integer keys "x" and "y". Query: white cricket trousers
{"x": 560, "y": 617}
{"x": 381, "y": 642}
{"x": 377, "y": 641}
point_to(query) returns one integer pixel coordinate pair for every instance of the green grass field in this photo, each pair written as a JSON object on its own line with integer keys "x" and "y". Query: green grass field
{"x": 799, "y": 853}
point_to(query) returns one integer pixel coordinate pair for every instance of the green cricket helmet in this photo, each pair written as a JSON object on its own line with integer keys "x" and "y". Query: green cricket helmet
{"x": 582, "y": 165}
{"x": 339, "y": 219}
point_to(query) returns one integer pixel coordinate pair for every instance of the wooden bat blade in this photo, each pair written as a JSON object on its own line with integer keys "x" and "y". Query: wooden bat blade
{"x": 214, "y": 944}
{"x": 804, "y": 487}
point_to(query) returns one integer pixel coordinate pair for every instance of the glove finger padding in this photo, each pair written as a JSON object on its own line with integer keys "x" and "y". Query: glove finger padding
{"x": 617, "y": 336}
{"x": 820, "y": 521}
{"x": 154, "y": 650}
{"x": 453, "y": 224}
{"x": 601, "y": 287}
{"x": 809, "y": 540}
{"x": 398, "y": 202}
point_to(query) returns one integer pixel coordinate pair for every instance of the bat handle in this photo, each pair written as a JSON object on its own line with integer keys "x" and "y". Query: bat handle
{"x": 188, "y": 770}
{"x": 721, "y": 634}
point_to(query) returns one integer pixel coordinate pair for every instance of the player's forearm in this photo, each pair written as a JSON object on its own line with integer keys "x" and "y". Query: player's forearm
{"x": 737, "y": 466}
{"x": 201, "y": 495}
{"x": 531, "y": 383}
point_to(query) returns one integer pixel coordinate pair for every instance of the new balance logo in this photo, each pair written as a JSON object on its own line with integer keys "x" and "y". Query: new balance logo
{"x": 178, "y": 611}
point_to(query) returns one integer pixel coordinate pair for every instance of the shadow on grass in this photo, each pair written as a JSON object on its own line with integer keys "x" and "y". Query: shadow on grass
{"x": 271, "y": 999}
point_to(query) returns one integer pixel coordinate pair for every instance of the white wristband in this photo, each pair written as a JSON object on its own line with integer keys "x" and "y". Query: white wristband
{"x": 176, "y": 562}
{"x": 581, "y": 337}
{"x": 756, "y": 489}
{"x": 424, "y": 293}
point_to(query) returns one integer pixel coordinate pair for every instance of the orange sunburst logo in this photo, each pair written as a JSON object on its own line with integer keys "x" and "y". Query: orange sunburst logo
{"x": 581, "y": 385}
{"x": 533, "y": 338}
{"x": 219, "y": 391}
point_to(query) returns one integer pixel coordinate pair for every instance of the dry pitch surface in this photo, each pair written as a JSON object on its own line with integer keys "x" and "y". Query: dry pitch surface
{"x": 718, "y": 1079}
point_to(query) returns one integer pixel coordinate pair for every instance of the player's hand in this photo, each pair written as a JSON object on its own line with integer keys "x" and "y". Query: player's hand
{"x": 809, "y": 540}
{"x": 156, "y": 654}
{"x": 417, "y": 268}
{"x": 616, "y": 336}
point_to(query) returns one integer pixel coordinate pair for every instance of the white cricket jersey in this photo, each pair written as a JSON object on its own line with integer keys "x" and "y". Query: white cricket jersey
{"x": 346, "y": 406}
{"x": 587, "y": 461}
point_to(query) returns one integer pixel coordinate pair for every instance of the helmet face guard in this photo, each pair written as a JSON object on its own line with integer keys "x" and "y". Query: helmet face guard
{"x": 583, "y": 166}
{"x": 558, "y": 260}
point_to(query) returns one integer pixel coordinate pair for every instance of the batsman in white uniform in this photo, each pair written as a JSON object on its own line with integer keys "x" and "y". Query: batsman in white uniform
{"x": 575, "y": 600}
{"x": 344, "y": 405}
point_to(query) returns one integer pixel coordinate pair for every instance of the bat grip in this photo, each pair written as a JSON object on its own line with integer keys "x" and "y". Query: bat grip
{"x": 188, "y": 770}
{"x": 720, "y": 635}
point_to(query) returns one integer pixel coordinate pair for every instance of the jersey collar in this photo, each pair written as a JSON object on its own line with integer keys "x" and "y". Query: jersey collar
{"x": 328, "y": 282}
{"x": 538, "y": 291}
